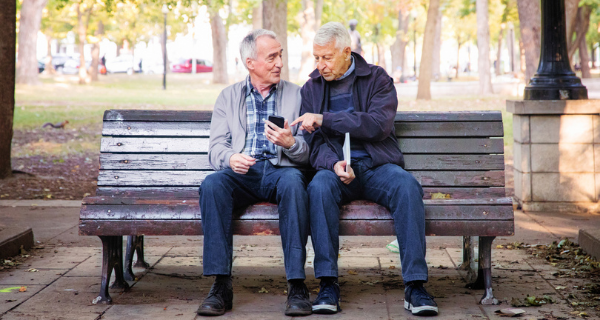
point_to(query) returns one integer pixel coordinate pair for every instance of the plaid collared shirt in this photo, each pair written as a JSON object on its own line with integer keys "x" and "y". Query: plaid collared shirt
{"x": 259, "y": 110}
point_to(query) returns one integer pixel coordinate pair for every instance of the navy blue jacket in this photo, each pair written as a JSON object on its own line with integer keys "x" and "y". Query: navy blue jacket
{"x": 372, "y": 122}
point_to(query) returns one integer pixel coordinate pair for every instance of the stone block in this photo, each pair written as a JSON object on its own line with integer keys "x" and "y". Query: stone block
{"x": 563, "y": 157}
{"x": 521, "y": 129}
{"x": 561, "y": 129}
{"x": 589, "y": 240}
{"x": 567, "y": 187}
{"x": 596, "y": 123}
{"x": 12, "y": 238}
{"x": 522, "y": 186}
{"x": 522, "y": 157}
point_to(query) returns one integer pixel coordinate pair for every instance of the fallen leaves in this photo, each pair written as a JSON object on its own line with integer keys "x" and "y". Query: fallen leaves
{"x": 353, "y": 272}
{"x": 263, "y": 290}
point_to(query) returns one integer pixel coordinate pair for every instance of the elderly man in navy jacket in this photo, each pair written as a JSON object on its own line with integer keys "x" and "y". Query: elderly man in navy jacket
{"x": 345, "y": 94}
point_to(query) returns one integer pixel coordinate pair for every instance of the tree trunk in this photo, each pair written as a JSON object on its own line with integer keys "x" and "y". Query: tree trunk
{"x": 398, "y": 49}
{"x": 82, "y": 35}
{"x": 585, "y": 60}
{"x": 424, "y": 89}
{"x": 219, "y": 40}
{"x": 584, "y": 24}
{"x": 483, "y": 47}
{"x": 437, "y": 47}
{"x": 571, "y": 22}
{"x": 593, "y": 55}
{"x": 307, "y": 30}
{"x": 581, "y": 27}
{"x": 257, "y": 20}
{"x": 95, "y": 60}
{"x": 497, "y": 69}
{"x": 457, "y": 58}
{"x": 275, "y": 19}
{"x": 522, "y": 59}
{"x": 318, "y": 14}
{"x": 530, "y": 22}
{"x": 381, "y": 56}
{"x": 29, "y": 26}
{"x": 510, "y": 45}
{"x": 8, "y": 38}
{"x": 48, "y": 67}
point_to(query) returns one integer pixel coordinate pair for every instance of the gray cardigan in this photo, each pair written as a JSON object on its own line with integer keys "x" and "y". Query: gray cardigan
{"x": 228, "y": 126}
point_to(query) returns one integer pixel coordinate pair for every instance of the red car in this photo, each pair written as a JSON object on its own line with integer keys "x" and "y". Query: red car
{"x": 185, "y": 66}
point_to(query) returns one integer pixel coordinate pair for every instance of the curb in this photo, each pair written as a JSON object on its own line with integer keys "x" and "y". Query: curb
{"x": 13, "y": 238}
{"x": 590, "y": 242}
{"x": 41, "y": 203}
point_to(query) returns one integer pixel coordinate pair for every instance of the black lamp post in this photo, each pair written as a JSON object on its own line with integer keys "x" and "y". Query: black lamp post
{"x": 554, "y": 79}
{"x": 165, "y": 10}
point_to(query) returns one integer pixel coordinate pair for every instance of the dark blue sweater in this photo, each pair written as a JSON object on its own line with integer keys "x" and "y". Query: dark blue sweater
{"x": 375, "y": 103}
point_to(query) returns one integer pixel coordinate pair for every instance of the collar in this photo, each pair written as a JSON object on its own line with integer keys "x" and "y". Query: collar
{"x": 362, "y": 68}
{"x": 250, "y": 87}
{"x": 349, "y": 71}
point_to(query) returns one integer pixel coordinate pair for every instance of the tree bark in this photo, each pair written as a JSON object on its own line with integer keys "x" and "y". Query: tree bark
{"x": 437, "y": 47}
{"x": 82, "y": 35}
{"x": 522, "y": 59}
{"x": 530, "y": 22}
{"x": 398, "y": 49}
{"x": 457, "y": 58}
{"x": 257, "y": 20}
{"x": 581, "y": 27}
{"x": 95, "y": 60}
{"x": 571, "y": 7}
{"x": 307, "y": 30}
{"x": 424, "y": 89}
{"x": 219, "y": 40}
{"x": 8, "y": 37}
{"x": 497, "y": 69}
{"x": 275, "y": 19}
{"x": 483, "y": 47}
{"x": 381, "y": 56}
{"x": 29, "y": 26}
{"x": 318, "y": 14}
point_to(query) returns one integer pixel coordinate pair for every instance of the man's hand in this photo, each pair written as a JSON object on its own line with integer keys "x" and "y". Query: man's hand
{"x": 310, "y": 122}
{"x": 279, "y": 136}
{"x": 240, "y": 163}
{"x": 340, "y": 170}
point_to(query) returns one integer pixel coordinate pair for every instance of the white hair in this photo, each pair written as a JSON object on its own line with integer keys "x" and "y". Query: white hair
{"x": 333, "y": 31}
{"x": 248, "y": 45}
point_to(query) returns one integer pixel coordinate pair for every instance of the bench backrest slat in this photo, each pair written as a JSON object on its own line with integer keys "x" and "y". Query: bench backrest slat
{"x": 458, "y": 154}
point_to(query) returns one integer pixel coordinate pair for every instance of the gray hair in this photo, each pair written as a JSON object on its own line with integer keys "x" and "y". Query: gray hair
{"x": 248, "y": 45}
{"x": 333, "y": 31}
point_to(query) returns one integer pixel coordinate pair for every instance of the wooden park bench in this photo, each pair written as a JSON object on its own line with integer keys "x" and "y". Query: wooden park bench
{"x": 152, "y": 163}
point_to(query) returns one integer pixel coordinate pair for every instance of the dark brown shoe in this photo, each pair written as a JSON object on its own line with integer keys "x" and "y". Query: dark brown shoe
{"x": 219, "y": 300}
{"x": 298, "y": 301}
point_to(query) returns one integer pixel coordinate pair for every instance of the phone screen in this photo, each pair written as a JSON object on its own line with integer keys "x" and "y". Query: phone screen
{"x": 278, "y": 121}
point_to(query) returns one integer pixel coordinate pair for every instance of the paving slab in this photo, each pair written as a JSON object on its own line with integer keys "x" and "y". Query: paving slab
{"x": 10, "y": 296}
{"x": 170, "y": 309}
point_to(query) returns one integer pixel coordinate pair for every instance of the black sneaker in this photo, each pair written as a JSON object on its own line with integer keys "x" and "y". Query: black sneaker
{"x": 219, "y": 300}
{"x": 418, "y": 301}
{"x": 328, "y": 300}
{"x": 298, "y": 301}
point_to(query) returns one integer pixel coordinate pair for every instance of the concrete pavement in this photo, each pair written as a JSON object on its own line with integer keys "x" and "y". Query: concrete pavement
{"x": 62, "y": 276}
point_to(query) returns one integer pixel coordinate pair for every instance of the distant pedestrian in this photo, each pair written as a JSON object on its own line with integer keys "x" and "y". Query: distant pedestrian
{"x": 355, "y": 44}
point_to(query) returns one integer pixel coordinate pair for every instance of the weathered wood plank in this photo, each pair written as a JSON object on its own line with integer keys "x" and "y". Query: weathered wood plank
{"x": 169, "y": 209}
{"x": 129, "y": 161}
{"x": 156, "y": 129}
{"x": 154, "y": 145}
{"x": 449, "y": 162}
{"x": 449, "y": 129}
{"x": 200, "y": 145}
{"x": 192, "y": 192}
{"x": 271, "y": 227}
{"x": 195, "y": 178}
{"x": 187, "y": 115}
{"x": 157, "y": 115}
{"x": 456, "y": 145}
{"x": 452, "y": 116}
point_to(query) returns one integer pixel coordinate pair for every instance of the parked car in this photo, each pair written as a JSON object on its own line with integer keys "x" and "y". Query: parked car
{"x": 71, "y": 66}
{"x": 185, "y": 66}
{"x": 123, "y": 63}
{"x": 150, "y": 66}
{"x": 58, "y": 61}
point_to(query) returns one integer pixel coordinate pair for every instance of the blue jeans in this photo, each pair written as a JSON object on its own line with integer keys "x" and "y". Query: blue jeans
{"x": 388, "y": 185}
{"x": 224, "y": 191}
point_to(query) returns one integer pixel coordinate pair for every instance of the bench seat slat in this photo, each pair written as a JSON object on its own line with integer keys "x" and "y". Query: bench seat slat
{"x": 169, "y": 209}
{"x": 164, "y": 129}
{"x": 446, "y": 162}
{"x": 192, "y": 192}
{"x": 271, "y": 227}
{"x": 200, "y": 145}
{"x": 449, "y": 129}
{"x": 186, "y": 115}
{"x": 195, "y": 178}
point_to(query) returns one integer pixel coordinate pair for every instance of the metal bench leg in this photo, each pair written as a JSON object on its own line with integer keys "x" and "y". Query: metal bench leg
{"x": 134, "y": 244}
{"x": 485, "y": 270}
{"x": 112, "y": 258}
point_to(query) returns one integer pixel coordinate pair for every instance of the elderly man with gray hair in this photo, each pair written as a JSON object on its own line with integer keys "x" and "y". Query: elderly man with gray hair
{"x": 347, "y": 95}
{"x": 256, "y": 160}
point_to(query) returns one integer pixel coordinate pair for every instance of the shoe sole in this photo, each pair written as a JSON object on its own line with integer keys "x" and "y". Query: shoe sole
{"x": 214, "y": 312}
{"x": 325, "y": 309}
{"x": 421, "y": 311}
{"x": 299, "y": 313}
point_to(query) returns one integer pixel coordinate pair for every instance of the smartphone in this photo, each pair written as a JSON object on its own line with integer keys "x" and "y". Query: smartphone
{"x": 278, "y": 121}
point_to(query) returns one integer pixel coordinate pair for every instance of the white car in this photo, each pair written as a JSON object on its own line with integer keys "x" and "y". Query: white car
{"x": 123, "y": 63}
